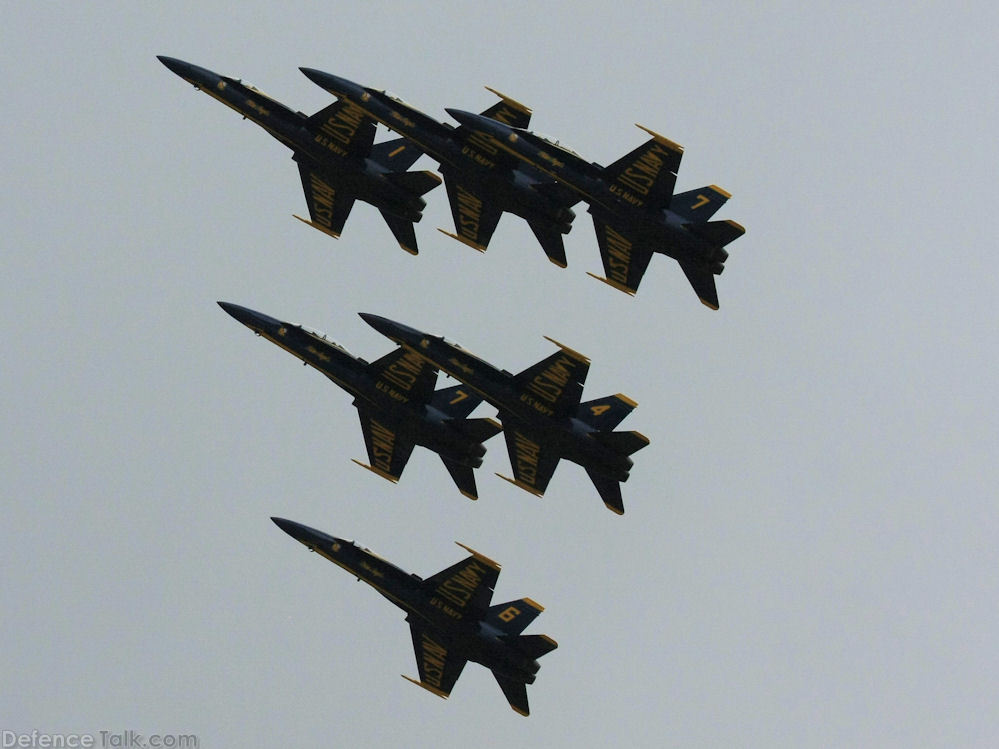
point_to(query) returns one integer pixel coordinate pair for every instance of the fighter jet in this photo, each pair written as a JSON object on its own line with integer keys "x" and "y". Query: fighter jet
{"x": 635, "y": 212}
{"x": 543, "y": 419}
{"x": 449, "y": 615}
{"x": 482, "y": 180}
{"x": 395, "y": 399}
{"x": 336, "y": 156}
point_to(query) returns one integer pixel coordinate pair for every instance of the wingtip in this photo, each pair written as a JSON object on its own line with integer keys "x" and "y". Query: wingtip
{"x": 474, "y": 245}
{"x": 613, "y": 284}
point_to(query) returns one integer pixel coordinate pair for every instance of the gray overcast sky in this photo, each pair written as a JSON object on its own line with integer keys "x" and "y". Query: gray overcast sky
{"x": 809, "y": 551}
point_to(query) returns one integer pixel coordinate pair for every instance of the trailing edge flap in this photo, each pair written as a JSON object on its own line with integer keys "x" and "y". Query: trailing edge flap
{"x": 647, "y": 175}
{"x": 624, "y": 443}
{"x": 346, "y": 126}
{"x": 439, "y": 669}
{"x": 603, "y": 414}
{"x": 609, "y": 491}
{"x": 416, "y": 183}
{"x": 404, "y": 372}
{"x": 625, "y": 261}
{"x": 703, "y": 281}
{"x": 329, "y": 204}
{"x": 475, "y": 219}
{"x": 398, "y": 154}
{"x": 387, "y": 453}
{"x": 466, "y": 587}
{"x": 403, "y": 231}
{"x": 556, "y": 382}
{"x": 719, "y": 233}
{"x": 551, "y": 241}
{"x": 533, "y": 464}
{"x": 463, "y": 476}
{"x": 457, "y": 401}
{"x": 515, "y": 693}
{"x": 699, "y": 205}
{"x": 513, "y": 617}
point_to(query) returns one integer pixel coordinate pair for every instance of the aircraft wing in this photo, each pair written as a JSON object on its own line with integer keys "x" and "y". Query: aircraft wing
{"x": 647, "y": 175}
{"x": 439, "y": 668}
{"x": 405, "y": 374}
{"x": 344, "y": 129}
{"x": 329, "y": 204}
{"x": 703, "y": 281}
{"x": 475, "y": 218}
{"x": 465, "y": 588}
{"x": 387, "y": 453}
{"x": 625, "y": 261}
{"x": 555, "y": 384}
{"x": 533, "y": 465}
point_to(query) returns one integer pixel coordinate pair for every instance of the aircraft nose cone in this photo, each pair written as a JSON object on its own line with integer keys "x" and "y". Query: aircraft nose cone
{"x": 306, "y": 535}
{"x": 252, "y": 319}
{"x": 177, "y": 66}
{"x": 332, "y": 83}
{"x": 391, "y": 329}
{"x": 469, "y": 119}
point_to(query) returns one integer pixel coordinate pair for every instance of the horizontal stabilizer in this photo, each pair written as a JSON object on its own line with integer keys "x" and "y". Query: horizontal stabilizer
{"x": 609, "y": 490}
{"x": 719, "y": 233}
{"x": 403, "y": 231}
{"x": 535, "y": 646}
{"x": 479, "y": 429}
{"x": 624, "y": 443}
{"x": 416, "y": 183}
{"x": 457, "y": 401}
{"x": 699, "y": 205}
{"x": 513, "y": 617}
{"x": 551, "y": 241}
{"x": 604, "y": 414}
{"x": 397, "y": 155}
{"x": 515, "y": 693}
{"x": 463, "y": 476}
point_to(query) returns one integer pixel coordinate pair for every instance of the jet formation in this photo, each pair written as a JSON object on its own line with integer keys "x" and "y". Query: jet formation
{"x": 449, "y": 615}
{"x": 540, "y": 409}
{"x": 336, "y": 156}
{"x": 395, "y": 400}
{"x": 490, "y": 164}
